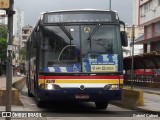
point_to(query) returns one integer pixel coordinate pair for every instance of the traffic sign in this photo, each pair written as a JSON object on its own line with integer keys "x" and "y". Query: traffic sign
{"x": 4, "y": 4}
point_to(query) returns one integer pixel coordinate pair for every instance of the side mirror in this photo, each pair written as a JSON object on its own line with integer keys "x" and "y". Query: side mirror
{"x": 124, "y": 38}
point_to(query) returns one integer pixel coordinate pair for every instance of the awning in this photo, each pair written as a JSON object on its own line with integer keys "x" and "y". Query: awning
{"x": 149, "y": 40}
{"x": 143, "y": 61}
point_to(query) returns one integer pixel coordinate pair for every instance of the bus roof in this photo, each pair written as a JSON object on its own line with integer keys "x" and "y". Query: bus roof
{"x": 78, "y": 10}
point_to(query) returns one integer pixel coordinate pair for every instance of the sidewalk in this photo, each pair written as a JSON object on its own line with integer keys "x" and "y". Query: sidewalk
{"x": 3, "y": 81}
{"x": 16, "y": 82}
{"x": 151, "y": 100}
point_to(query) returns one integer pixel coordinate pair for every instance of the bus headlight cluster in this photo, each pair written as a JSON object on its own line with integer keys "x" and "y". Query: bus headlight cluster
{"x": 114, "y": 87}
{"x": 111, "y": 87}
{"x": 49, "y": 87}
{"x": 106, "y": 87}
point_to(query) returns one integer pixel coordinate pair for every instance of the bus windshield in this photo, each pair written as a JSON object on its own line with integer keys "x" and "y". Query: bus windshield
{"x": 101, "y": 41}
{"x": 91, "y": 49}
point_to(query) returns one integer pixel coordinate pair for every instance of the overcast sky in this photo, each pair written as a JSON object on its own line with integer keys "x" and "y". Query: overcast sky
{"x": 33, "y": 8}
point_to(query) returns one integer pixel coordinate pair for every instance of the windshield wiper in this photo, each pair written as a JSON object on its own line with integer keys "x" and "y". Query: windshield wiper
{"x": 66, "y": 32}
{"x": 94, "y": 31}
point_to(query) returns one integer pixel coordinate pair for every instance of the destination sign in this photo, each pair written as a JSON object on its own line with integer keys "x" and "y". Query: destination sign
{"x": 79, "y": 17}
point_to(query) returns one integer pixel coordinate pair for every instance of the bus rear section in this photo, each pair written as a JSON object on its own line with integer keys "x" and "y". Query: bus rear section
{"x": 76, "y": 56}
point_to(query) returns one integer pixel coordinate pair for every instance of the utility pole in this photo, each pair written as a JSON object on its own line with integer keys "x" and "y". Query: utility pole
{"x": 132, "y": 72}
{"x": 7, "y": 5}
{"x": 10, "y": 12}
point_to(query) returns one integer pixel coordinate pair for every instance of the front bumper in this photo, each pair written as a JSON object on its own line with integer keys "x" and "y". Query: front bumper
{"x": 68, "y": 94}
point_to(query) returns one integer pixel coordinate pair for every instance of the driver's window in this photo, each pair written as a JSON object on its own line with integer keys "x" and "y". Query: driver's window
{"x": 69, "y": 52}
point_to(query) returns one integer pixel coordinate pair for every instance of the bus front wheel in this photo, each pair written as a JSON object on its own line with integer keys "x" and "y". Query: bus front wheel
{"x": 29, "y": 93}
{"x": 29, "y": 88}
{"x": 40, "y": 103}
{"x": 101, "y": 105}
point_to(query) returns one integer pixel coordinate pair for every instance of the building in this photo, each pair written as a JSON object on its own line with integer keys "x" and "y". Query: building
{"x": 15, "y": 61}
{"x": 3, "y": 17}
{"x": 135, "y": 12}
{"x": 139, "y": 31}
{"x": 149, "y": 18}
{"x": 138, "y": 49}
{"x": 26, "y": 30}
{"x": 18, "y": 23}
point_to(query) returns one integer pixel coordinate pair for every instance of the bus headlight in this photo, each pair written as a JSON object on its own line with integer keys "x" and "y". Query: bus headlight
{"x": 49, "y": 86}
{"x": 42, "y": 86}
{"x": 114, "y": 87}
{"x": 111, "y": 87}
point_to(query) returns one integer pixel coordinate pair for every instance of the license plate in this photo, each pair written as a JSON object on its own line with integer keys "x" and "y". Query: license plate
{"x": 82, "y": 96}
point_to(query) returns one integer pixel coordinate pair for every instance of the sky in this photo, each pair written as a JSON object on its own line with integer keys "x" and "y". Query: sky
{"x": 33, "y": 8}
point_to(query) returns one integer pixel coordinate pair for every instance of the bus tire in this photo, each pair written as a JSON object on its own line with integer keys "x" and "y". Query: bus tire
{"x": 40, "y": 104}
{"x": 101, "y": 105}
{"x": 29, "y": 91}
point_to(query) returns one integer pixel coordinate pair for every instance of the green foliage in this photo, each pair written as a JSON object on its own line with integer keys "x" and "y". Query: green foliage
{"x": 3, "y": 49}
{"x": 22, "y": 53}
{"x": 3, "y": 45}
{"x": 3, "y": 32}
{"x": 13, "y": 55}
{"x": 1, "y": 70}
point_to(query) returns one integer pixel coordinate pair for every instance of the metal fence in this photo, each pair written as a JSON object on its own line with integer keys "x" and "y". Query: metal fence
{"x": 143, "y": 80}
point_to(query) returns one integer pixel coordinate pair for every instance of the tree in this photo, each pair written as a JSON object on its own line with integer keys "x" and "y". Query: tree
{"x": 3, "y": 43}
{"x": 3, "y": 47}
{"x": 3, "y": 32}
{"x": 22, "y": 53}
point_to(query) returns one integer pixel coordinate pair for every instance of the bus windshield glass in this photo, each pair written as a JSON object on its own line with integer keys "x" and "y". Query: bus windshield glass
{"x": 99, "y": 53}
{"x": 100, "y": 48}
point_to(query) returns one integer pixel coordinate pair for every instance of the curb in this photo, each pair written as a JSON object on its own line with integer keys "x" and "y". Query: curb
{"x": 134, "y": 107}
{"x": 132, "y": 97}
{"x": 16, "y": 87}
{"x": 19, "y": 84}
{"x": 15, "y": 97}
{"x": 140, "y": 88}
{"x": 151, "y": 92}
{"x": 128, "y": 102}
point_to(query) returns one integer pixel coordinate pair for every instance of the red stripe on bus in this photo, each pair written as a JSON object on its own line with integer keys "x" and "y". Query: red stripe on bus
{"x": 80, "y": 77}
